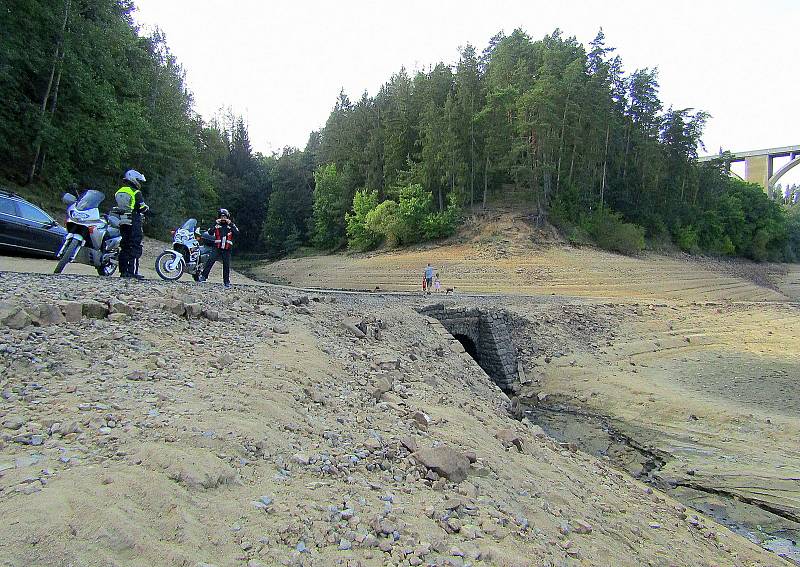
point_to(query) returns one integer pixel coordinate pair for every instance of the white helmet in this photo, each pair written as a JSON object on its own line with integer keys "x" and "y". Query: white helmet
{"x": 134, "y": 177}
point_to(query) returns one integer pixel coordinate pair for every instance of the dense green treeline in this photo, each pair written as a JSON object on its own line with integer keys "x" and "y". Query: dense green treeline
{"x": 586, "y": 146}
{"x": 558, "y": 127}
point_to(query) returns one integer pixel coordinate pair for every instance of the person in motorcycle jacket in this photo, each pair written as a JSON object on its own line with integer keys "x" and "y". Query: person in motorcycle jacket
{"x": 224, "y": 232}
{"x": 131, "y": 206}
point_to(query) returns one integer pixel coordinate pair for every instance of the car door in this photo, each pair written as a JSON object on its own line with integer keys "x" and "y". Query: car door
{"x": 9, "y": 223}
{"x": 39, "y": 225}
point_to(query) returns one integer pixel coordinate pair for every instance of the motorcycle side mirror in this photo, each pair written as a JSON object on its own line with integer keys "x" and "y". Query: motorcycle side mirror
{"x": 69, "y": 199}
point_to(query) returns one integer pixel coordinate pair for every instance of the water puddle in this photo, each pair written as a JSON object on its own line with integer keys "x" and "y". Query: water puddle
{"x": 601, "y": 437}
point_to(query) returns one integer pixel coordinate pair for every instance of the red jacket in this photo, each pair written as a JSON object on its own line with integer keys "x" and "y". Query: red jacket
{"x": 224, "y": 235}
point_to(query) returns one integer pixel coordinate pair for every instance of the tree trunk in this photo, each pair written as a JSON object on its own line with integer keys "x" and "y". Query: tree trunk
{"x": 57, "y": 55}
{"x": 561, "y": 144}
{"x": 471, "y": 156}
{"x": 54, "y": 104}
{"x": 485, "y": 180}
{"x": 605, "y": 165}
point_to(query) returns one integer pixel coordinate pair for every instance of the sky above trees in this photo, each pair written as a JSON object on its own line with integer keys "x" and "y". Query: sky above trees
{"x": 282, "y": 65}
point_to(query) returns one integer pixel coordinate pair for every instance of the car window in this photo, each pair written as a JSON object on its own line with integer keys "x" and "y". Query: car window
{"x": 29, "y": 212}
{"x": 7, "y": 206}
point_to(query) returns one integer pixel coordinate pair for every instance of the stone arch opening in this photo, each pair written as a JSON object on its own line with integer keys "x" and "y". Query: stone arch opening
{"x": 469, "y": 346}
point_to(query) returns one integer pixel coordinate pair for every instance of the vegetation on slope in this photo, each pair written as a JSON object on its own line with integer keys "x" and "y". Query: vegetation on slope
{"x": 580, "y": 142}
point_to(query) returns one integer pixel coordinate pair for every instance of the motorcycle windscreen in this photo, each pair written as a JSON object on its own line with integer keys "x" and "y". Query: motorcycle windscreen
{"x": 90, "y": 200}
{"x": 189, "y": 225}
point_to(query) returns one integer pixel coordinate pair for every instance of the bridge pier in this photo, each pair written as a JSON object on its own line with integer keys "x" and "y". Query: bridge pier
{"x": 758, "y": 169}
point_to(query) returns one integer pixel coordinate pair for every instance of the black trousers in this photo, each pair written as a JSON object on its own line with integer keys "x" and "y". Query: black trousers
{"x": 131, "y": 246}
{"x": 226, "y": 264}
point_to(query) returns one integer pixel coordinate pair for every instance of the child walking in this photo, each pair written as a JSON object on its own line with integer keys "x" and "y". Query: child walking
{"x": 437, "y": 285}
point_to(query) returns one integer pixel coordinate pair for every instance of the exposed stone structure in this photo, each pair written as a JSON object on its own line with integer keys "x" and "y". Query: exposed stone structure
{"x": 485, "y": 336}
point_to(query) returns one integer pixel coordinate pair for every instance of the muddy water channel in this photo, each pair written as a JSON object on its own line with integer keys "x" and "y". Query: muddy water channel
{"x": 624, "y": 447}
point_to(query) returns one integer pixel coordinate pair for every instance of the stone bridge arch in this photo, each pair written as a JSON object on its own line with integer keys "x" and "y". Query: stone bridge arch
{"x": 485, "y": 335}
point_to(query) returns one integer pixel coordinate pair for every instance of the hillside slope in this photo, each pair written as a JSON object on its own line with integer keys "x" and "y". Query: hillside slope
{"x": 501, "y": 253}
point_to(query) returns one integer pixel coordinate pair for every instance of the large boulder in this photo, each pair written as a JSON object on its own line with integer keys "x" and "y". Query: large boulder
{"x": 94, "y": 309}
{"x": 49, "y": 314}
{"x": 174, "y": 306}
{"x": 117, "y": 306}
{"x": 194, "y": 310}
{"x": 72, "y": 310}
{"x": 14, "y": 317}
{"x": 445, "y": 461}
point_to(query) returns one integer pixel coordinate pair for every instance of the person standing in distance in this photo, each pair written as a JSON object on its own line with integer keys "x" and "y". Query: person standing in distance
{"x": 429, "y": 278}
{"x": 224, "y": 232}
{"x": 132, "y": 206}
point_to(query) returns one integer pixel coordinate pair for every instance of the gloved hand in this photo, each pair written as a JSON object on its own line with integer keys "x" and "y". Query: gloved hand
{"x": 143, "y": 208}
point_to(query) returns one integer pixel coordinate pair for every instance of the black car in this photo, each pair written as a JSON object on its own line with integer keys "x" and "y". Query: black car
{"x": 26, "y": 228}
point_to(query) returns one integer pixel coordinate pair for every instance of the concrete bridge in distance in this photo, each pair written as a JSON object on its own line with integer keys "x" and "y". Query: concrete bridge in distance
{"x": 758, "y": 164}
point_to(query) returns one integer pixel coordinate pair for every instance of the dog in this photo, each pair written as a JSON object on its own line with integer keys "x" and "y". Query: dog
{"x": 449, "y": 290}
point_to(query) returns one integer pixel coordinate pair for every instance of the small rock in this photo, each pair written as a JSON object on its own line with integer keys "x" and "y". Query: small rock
{"x": 301, "y": 459}
{"x": 193, "y": 310}
{"x": 350, "y": 326}
{"x": 14, "y": 422}
{"x": 581, "y": 527}
{"x": 510, "y": 438}
{"x": 117, "y": 306}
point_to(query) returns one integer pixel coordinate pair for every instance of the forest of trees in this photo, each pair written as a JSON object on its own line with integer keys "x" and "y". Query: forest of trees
{"x": 559, "y": 128}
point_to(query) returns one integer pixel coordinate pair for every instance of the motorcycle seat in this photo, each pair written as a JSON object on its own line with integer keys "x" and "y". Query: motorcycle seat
{"x": 113, "y": 220}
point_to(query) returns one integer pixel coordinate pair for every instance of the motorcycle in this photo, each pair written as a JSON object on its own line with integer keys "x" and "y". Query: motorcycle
{"x": 93, "y": 236}
{"x": 190, "y": 252}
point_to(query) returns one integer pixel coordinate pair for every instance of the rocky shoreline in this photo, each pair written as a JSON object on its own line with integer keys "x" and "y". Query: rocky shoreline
{"x": 178, "y": 425}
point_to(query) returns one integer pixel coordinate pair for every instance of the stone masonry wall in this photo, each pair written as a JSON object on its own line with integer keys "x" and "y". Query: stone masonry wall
{"x": 489, "y": 330}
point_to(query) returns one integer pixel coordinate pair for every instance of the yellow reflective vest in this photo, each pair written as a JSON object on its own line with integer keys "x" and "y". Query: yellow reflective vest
{"x": 126, "y": 198}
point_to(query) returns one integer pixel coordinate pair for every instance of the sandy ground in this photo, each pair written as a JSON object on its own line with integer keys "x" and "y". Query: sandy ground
{"x": 710, "y": 387}
{"x": 152, "y": 248}
{"x": 500, "y": 255}
{"x": 161, "y": 440}
{"x": 172, "y": 428}
{"x": 698, "y": 359}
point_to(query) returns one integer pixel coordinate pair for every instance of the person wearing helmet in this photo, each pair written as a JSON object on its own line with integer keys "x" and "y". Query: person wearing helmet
{"x": 224, "y": 232}
{"x": 131, "y": 207}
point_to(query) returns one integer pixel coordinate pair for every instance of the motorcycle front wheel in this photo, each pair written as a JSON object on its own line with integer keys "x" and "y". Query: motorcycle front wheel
{"x": 66, "y": 257}
{"x": 170, "y": 266}
{"x": 107, "y": 269}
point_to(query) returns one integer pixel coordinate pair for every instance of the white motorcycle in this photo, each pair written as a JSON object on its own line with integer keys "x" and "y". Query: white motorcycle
{"x": 92, "y": 238}
{"x": 191, "y": 250}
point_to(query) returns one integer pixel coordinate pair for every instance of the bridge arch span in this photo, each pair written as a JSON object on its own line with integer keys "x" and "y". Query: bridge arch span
{"x": 783, "y": 171}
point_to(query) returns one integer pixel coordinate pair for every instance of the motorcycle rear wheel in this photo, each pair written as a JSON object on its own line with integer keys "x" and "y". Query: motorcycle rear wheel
{"x": 167, "y": 272}
{"x": 66, "y": 257}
